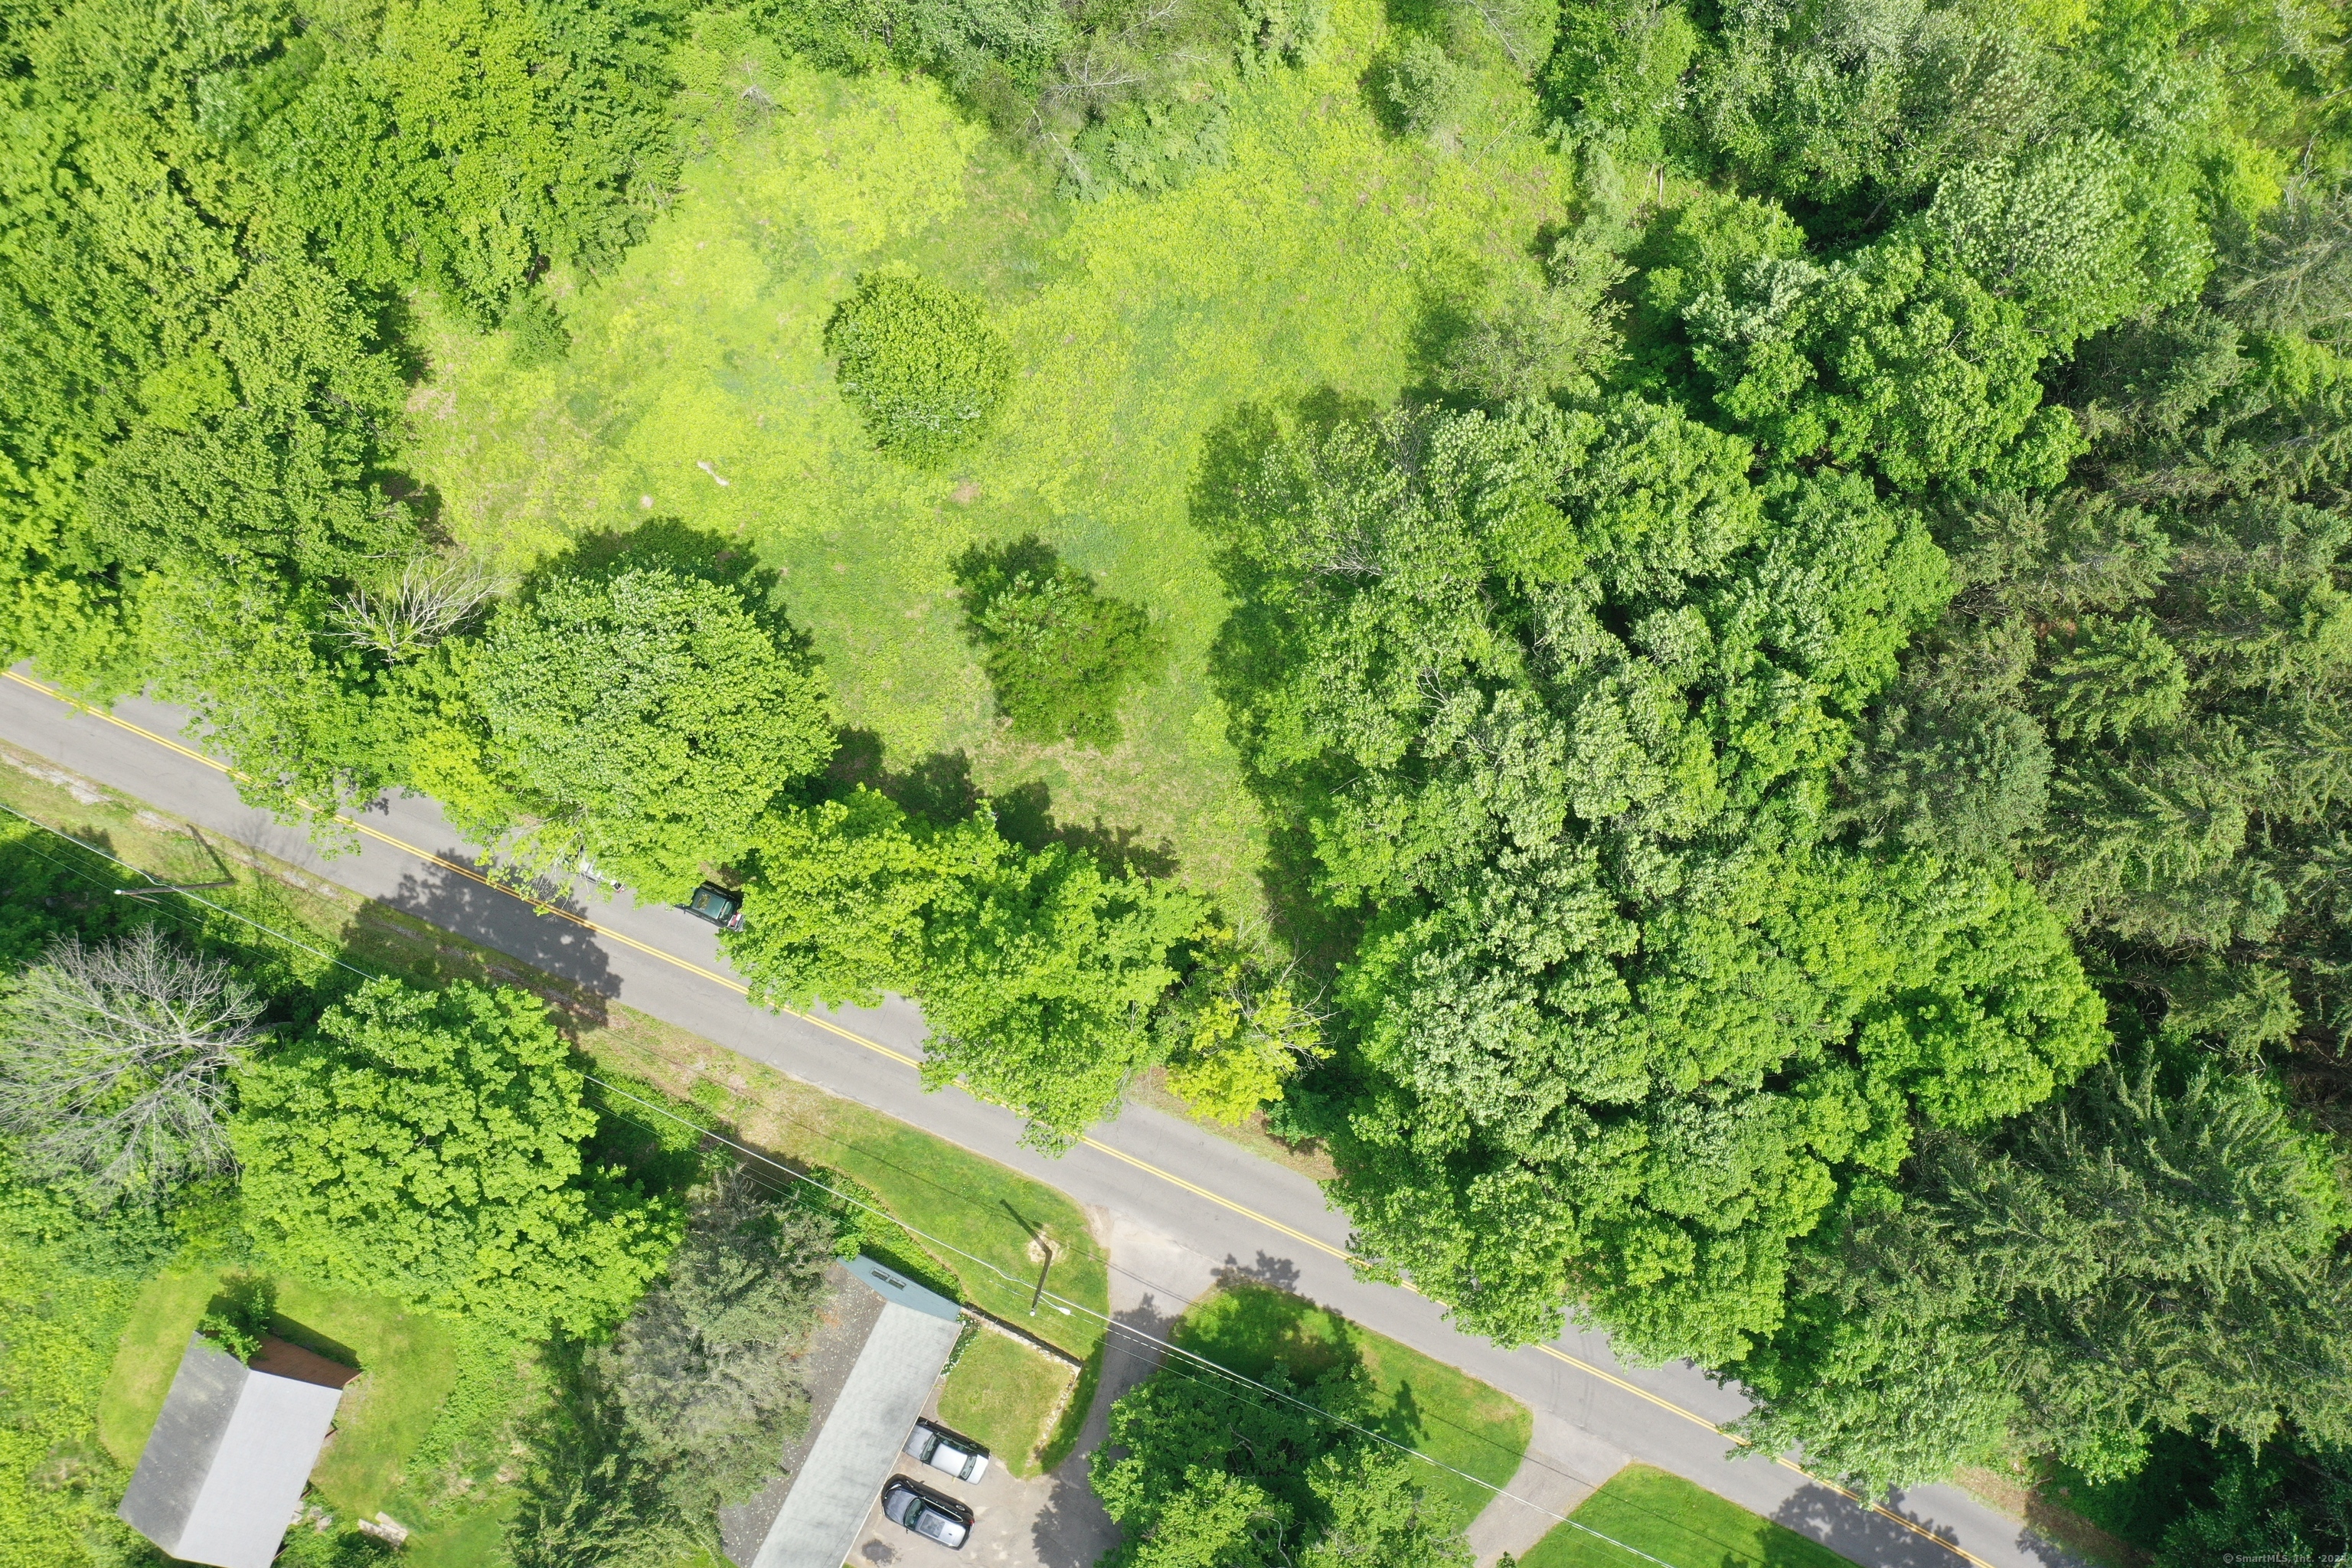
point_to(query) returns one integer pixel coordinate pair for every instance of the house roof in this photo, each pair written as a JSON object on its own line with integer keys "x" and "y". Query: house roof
{"x": 223, "y": 1472}
{"x": 857, "y": 1446}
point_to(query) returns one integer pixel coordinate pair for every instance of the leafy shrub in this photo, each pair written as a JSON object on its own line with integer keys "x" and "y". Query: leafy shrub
{"x": 1061, "y": 656}
{"x": 920, "y": 363}
{"x": 1427, "y": 91}
{"x": 239, "y": 1316}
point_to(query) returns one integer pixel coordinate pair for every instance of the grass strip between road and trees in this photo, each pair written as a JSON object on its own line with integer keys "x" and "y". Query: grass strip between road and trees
{"x": 1676, "y": 1523}
{"x": 1475, "y": 1432}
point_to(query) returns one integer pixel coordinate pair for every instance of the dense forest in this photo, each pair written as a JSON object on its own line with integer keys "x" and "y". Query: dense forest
{"x": 1802, "y": 747}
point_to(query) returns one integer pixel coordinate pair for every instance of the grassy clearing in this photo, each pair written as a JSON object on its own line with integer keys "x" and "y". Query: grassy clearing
{"x": 1445, "y": 1413}
{"x": 1004, "y": 1394}
{"x": 1676, "y": 1523}
{"x": 405, "y": 1359}
{"x": 1311, "y": 262}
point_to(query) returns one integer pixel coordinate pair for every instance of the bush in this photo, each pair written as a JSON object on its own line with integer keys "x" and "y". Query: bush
{"x": 920, "y": 362}
{"x": 1061, "y": 656}
{"x": 1427, "y": 90}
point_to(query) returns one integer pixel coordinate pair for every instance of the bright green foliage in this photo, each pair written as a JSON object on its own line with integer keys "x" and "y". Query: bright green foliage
{"x": 1060, "y": 655}
{"x": 841, "y": 897}
{"x": 1234, "y": 1032}
{"x": 427, "y": 1144}
{"x": 1886, "y": 360}
{"x": 2070, "y": 234}
{"x": 1616, "y": 76}
{"x": 1037, "y": 971}
{"x": 1039, "y": 981}
{"x": 1583, "y": 683}
{"x": 465, "y": 144}
{"x": 647, "y": 719}
{"x": 2137, "y": 1257}
{"x": 68, "y": 1280}
{"x": 920, "y": 362}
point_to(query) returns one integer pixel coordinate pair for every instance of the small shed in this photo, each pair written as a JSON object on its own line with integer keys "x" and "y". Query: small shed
{"x": 222, "y": 1474}
{"x": 855, "y": 1443}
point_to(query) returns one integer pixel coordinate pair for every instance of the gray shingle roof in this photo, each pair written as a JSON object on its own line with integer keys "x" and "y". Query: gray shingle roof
{"x": 857, "y": 1447}
{"x": 222, "y": 1474}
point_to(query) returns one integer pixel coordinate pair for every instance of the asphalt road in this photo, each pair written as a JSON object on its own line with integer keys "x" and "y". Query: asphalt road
{"x": 1194, "y": 1195}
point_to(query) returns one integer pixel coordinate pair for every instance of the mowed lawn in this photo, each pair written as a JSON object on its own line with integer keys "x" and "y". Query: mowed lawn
{"x": 1314, "y": 262}
{"x": 1675, "y": 1522}
{"x": 1002, "y": 1393}
{"x": 405, "y": 1361}
{"x": 1422, "y": 1402}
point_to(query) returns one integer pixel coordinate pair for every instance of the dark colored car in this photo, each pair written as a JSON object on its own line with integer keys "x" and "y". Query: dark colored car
{"x": 925, "y": 1513}
{"x": 943, "y": 1450}
{"x": 719, "y": 906}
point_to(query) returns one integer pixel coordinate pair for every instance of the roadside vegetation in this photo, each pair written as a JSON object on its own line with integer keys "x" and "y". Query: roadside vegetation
{"x": 1202, "y": 1467}
{"x": 1707, "y": 643}
{"x": 489, "y": 1425}
{"x": 1674, "y": 1521}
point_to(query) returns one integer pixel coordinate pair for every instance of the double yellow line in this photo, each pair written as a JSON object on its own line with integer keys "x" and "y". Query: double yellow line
{"x": 474, "y": 874}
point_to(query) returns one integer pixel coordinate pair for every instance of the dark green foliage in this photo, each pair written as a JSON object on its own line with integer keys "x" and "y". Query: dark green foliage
{"x": 1556, "y": 697}
{"x": 541, "y": 338}
{"x": 1117, "y": 94}
{"x": 1426, "y": 91}
{"x": 1204, "y": 1473}
{"x": 920, "y": 363}
{"x": 2139, "y": 1257}
{"x": 2288, "y": 1501}
{"x": 690, "y": 1404}
{"x": 1061, "y": 656}
{"x": 703, "y": 1368}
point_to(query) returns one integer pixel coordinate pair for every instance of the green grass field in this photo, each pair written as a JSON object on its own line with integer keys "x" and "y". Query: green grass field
{"x": 1675, "y": 1522}
{"x": 1002, "y": 1393}
{"x": 1311, "y": 262}
{"x": 1443, "y": 1413}
{"x": 404, "y": 1360}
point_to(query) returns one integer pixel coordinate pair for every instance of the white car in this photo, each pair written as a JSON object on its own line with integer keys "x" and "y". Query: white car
{"x": 943, "y": 1450}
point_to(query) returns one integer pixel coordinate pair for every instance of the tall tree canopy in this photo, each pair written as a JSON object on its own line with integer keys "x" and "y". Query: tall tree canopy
{"x": 1558, "y": 696}
{"x": 428, "y": 1144}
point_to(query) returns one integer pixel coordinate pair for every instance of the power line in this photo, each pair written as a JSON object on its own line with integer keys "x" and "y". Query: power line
{"x": 744, "y": 1151}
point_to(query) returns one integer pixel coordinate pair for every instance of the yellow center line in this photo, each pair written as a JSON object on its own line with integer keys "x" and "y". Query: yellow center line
{"x": 1176, "y": 1180}
{"x": 736, "y": 986}
{"x": 471, "y": 873}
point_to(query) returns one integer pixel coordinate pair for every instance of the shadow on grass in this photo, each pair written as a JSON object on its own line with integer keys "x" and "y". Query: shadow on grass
{"x": 939, "y": 789}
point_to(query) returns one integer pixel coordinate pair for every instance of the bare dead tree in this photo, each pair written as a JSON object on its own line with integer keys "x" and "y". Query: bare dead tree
{"x": 114, "y": 1062}
{"x": 433, "y": 599}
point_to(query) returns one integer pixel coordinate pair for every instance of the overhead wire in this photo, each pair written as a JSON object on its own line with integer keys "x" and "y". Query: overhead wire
{"x": 743, "y": 1151}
